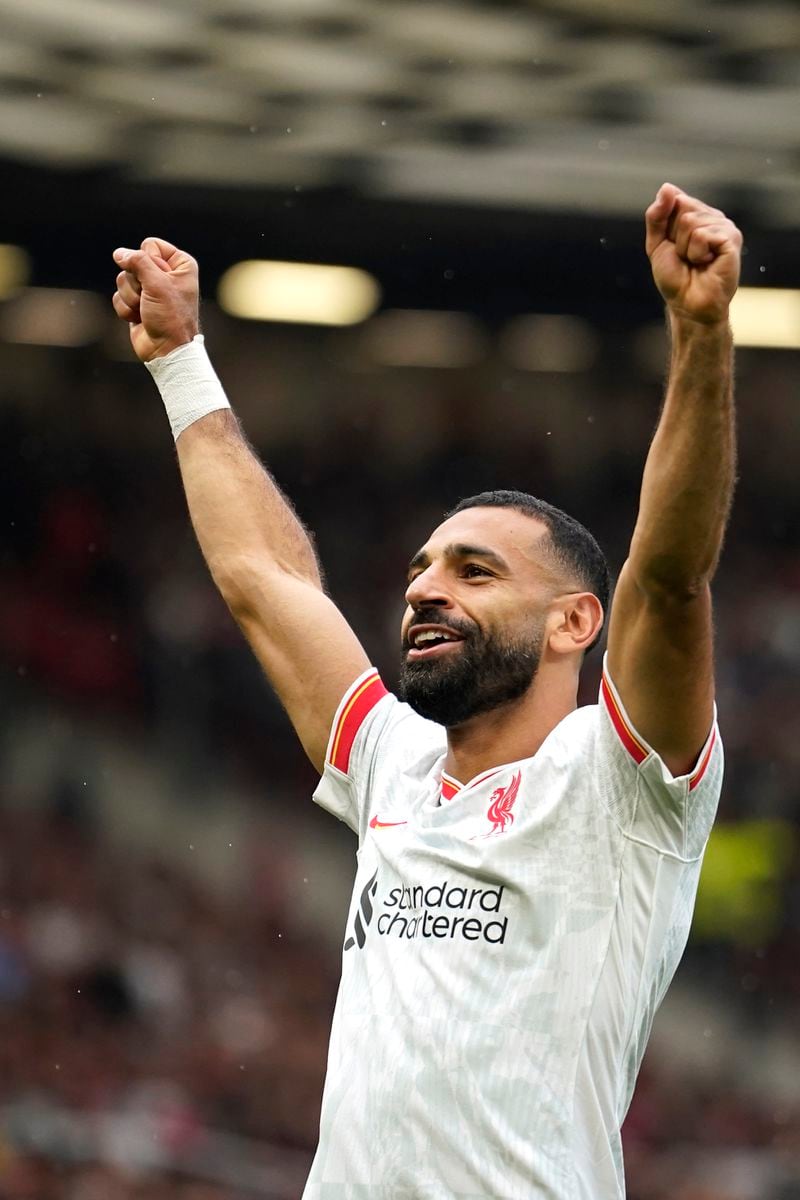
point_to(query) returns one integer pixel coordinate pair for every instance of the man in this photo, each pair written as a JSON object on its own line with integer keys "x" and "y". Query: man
{"x": 527, "y": 869}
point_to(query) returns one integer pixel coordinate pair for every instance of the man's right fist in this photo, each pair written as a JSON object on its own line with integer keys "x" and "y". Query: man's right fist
{"x": 158, "y": 295}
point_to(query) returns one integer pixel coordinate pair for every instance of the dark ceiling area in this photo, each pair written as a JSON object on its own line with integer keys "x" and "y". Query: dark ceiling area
{"x": 490, "y": 156}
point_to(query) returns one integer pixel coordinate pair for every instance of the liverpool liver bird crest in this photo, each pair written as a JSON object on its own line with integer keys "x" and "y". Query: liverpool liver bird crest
{"x": 502, "y": 801}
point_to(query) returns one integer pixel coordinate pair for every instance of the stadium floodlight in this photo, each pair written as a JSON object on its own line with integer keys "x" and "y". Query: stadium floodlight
{"x": 15, "y": 268}
{"x": 768, "y": 317}
{"x": 300, "y": 293}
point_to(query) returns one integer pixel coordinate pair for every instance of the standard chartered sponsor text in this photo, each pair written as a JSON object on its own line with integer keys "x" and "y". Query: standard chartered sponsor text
{"x": 438, "y": 911}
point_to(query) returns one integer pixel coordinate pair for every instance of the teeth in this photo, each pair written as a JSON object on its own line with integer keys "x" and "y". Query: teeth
{"x": 432, "y": 635}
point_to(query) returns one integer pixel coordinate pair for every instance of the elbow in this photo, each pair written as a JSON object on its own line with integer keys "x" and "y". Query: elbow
{"x": 668, "y": 584}
{"x": 245, "y": 582}
{"x": 236, "y": 580}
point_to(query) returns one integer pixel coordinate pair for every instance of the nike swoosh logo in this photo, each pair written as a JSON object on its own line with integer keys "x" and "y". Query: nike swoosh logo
{"x": 376, "y": 824}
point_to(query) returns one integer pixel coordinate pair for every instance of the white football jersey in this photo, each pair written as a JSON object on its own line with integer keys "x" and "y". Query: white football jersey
{"x": 508, "y": 943}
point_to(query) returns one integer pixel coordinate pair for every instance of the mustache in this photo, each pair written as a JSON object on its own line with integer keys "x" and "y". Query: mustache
{"x": 433, "y": 616}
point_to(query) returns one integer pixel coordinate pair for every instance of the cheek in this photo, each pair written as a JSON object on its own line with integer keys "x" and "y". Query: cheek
{"x": 524, "y": 627}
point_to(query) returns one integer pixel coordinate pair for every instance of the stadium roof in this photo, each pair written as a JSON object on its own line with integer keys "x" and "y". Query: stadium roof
{"x": 574, "y": 109}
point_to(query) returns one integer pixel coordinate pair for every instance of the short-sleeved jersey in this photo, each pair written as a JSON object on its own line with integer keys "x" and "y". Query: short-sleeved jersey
{"x": 508, "y": 943}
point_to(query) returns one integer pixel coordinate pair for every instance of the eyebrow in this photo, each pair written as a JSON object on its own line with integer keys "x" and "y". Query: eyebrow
{"x": 460, "y": 550}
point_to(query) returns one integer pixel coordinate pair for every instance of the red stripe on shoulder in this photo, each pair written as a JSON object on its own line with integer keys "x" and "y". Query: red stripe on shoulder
{"x": 354, "y": 707}
{"x": 700, "y": 770}
{"x": 626, "y": 735}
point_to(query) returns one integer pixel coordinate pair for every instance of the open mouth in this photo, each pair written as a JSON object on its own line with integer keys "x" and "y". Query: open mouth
{"x": 430, "y": 641}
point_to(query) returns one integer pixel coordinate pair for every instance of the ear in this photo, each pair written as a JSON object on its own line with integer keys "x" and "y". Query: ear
{"x": 576, "y": 620}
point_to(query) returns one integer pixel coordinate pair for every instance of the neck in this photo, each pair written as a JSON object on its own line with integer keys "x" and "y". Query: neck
{"x": 513, "y": 731}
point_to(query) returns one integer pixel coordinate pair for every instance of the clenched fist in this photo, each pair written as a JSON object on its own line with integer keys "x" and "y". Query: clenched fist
{"x": 158, "y": 295}
{"x": 695, "y": 252}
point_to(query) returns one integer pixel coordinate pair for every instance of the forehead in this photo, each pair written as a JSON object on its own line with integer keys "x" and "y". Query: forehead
{"x": 515, "y": 536}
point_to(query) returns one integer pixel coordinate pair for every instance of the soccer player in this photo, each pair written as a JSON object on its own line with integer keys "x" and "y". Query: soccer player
{"x": 526, "y": 868}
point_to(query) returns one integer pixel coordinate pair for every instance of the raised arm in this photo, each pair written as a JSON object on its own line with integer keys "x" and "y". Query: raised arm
{"x": 260, "y": 556}
{"x": 660, "y": 637}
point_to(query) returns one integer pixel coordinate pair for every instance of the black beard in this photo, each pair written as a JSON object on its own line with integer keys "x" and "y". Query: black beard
{"x": 476, "y": 679}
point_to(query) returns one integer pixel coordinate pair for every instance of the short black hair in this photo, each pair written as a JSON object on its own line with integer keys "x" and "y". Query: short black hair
{"x": 572, "y": 544}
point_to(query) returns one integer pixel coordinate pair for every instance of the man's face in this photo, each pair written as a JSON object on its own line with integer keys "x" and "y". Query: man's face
{"x": 473, "y": 632}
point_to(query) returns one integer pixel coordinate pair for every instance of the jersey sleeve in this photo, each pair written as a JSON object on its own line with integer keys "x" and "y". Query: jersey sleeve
{"x": 357, "y": 726}
{"x": 673, "y": 814}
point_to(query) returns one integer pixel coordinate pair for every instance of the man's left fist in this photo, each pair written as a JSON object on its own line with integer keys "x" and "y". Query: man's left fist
{"x": 695, "y": 253}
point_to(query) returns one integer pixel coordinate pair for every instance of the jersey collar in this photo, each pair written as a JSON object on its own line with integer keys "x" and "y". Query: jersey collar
{"x": 450, "y": 787}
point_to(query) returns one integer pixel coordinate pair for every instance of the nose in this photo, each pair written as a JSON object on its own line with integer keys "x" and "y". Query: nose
{"x": 428, "y": 590}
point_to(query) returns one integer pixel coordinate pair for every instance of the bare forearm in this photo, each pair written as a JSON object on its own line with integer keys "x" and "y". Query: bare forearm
{"x": 689, "y": 474}
{"x": 246, "y": 528}
{"x": 242, "y": 521}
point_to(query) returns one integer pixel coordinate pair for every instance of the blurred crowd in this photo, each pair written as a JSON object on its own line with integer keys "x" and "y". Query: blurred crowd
{"x": 151, "y": 1028}
{"x": 149, "y": 1006}
{"x": 130, "y": 991}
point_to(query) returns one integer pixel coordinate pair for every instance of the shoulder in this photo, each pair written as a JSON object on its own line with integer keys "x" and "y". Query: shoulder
{"x": 408, "y": 740}
{"x": 376, "y": 741}
{"x": 371, "y": 721}
{"x": 573, "y": 738}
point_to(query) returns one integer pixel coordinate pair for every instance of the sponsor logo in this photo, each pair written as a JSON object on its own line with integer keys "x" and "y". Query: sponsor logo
{"x": 364, "y": 913}
{"x": 376, "y": 824}
{"x": 439, "y": 911}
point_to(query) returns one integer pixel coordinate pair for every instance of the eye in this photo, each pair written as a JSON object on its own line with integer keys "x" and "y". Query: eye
{"x": 471, "y": 570}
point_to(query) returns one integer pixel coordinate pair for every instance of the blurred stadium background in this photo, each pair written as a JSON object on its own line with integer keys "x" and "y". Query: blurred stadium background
{"x": 171, "y": 908}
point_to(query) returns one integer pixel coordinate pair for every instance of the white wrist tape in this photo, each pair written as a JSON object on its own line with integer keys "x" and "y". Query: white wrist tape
{"x": 188, "y": 384}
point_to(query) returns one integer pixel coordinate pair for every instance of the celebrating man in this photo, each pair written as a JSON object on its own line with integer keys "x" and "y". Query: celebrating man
{"x": 527, "y": 868}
